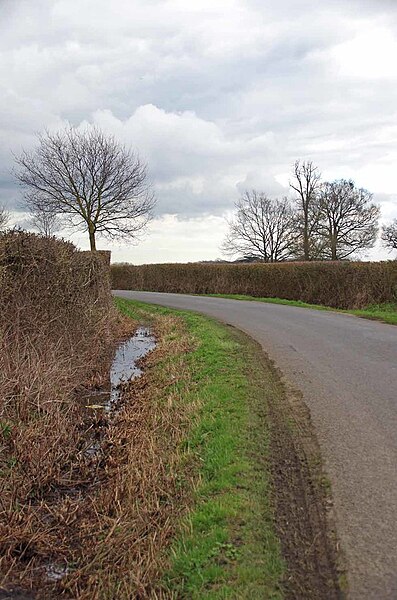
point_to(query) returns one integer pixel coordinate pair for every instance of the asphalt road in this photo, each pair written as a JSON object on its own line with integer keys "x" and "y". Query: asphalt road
{"x": 346, "y": 368}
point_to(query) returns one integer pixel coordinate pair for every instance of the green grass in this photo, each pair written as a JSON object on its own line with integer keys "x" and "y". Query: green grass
{"x": 226, "y": 546}
{"x": 387, "y": 313}
{"x": 379, "y": 312}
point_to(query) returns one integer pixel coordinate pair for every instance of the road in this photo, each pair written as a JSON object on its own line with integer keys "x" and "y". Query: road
{"x": 346, "y": 368}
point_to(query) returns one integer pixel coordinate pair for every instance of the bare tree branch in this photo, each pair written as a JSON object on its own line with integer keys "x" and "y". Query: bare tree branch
{"x": 45, "y": 222}
{"x": 90, "y": 180}
{"x": 389, "y": 235}
{"x": 306, "y": 183}
{"x": 4, "y": 217}
{"x": 348, "y": 220}
{"x": 262, "y": 229}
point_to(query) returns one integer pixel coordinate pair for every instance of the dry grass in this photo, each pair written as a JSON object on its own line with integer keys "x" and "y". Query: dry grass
{"x": 56, "y": 334}
{"x": 102, "y": 519}
{"x": 134, "y": 513}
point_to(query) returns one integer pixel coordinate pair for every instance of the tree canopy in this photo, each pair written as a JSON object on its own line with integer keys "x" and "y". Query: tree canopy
{"x": 262, "y": 228}
{"x": 88, "y": 179}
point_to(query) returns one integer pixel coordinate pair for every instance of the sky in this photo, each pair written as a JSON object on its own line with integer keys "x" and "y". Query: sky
{"x": 217, "y": 96}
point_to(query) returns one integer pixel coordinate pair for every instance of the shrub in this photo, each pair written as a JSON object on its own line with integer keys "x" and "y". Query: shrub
{"x": 337, "y": 284}
{"x": 55, "y": 330}
{"x": 54, "y": 300}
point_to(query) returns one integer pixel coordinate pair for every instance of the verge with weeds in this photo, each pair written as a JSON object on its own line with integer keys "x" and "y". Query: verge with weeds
{"x": 251, "y": 519}
{"x": 225, "y": 546}
{"x": 196, "y": 489}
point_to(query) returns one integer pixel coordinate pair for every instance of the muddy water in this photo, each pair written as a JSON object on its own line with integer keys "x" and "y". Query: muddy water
{"x": 124, "y": 369}
{"x": 124, "y": 366}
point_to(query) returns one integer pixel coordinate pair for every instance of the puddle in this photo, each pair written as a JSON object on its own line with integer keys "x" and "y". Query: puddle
{"x": 124, "y": 366}
{"x": 56, "y": 572}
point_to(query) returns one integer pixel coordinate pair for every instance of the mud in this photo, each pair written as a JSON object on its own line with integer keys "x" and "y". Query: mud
{"x": 302, "y": 503}
{"x": 15, "y": 595}
{"x": 100, "y": 407}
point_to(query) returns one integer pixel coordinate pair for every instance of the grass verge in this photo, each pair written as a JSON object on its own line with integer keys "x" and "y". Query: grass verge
{"x": 197, "y": 487}
{"x": 226, "y": 546}
{"x": 252, "y": 518}
{"x": 387, "y": 313}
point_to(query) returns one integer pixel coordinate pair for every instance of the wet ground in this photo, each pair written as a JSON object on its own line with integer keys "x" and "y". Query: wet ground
{"x": 104, "y": 405}
{"x": 125, "y": 368}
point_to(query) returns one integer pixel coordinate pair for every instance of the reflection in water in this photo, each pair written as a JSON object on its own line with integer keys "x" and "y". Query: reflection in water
{"x": 124, "y": 366}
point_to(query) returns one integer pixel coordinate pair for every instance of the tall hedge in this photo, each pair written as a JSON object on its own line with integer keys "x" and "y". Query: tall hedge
{"x": 52, "y": 295}
{"x": 335, "y": 284}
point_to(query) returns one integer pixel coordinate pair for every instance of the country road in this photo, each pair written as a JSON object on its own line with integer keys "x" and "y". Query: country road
{"x": 346, "y": 368}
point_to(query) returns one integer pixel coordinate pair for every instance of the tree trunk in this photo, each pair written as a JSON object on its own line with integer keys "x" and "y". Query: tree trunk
{"x": 306, "y": 241}
{"x": 333, "y": 245}
{"x": 91, "y": 232}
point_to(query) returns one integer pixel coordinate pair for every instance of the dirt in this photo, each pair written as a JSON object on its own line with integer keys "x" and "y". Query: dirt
{"x": 64, "y": 509}
{"x": 15, "y": 595}
{"x": 302, "y": 502}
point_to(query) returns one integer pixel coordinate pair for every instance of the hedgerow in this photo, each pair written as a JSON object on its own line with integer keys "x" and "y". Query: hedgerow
{"x": 345, "y": 285}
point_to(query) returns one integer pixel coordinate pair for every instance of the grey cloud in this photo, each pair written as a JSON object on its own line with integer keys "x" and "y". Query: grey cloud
{"x": 216, "y": 100}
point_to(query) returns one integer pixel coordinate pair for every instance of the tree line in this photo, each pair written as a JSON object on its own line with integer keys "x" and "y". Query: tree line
{"x": 89, "y": 181}
{"x": 326, "y": 221}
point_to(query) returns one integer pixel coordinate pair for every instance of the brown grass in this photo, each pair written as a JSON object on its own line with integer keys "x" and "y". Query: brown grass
{"x": 112, "y": 516}
{"x": 138, "y": 504}
{"x": 56, "y": 333}
{"x": 345, "y": 285}
{"x": 103, "y": 519}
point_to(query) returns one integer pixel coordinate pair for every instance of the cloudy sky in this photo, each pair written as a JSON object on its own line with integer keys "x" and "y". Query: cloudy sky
{"x": 216, "y": 95}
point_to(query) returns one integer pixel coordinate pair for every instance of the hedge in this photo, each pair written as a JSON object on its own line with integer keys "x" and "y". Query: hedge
{"x": 345, "y": 285}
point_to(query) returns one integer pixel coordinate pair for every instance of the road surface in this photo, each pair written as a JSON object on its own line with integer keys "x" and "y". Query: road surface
{"x": 346, "y": 368}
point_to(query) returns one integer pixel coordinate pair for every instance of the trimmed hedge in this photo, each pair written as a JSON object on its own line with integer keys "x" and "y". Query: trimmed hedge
{"x": 345, "y": 285}
{"x": 50, "y": 293}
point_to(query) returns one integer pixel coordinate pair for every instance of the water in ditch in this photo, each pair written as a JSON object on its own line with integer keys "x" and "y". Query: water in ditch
{"x": 124, "y": 368}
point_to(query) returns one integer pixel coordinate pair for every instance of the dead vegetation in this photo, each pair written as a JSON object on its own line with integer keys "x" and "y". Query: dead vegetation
{"x": 55, "y": 334}
{"x": 74, "y": 523}
{"x": 140, "y": 501}
{"x": 340, "y": 284}
{"x": 105, "y": 522}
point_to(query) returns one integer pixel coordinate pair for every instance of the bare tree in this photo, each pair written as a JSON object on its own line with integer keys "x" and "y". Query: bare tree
{"x": 90, "y": 180}
{"x": 348, "y": 220}
{"x": 45, "y": 222}
{"x": 306, "y": 183}
{"x": 389, "y": 235}
{"x": 4, "y": 217}
{"x": 261, "y": 230}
